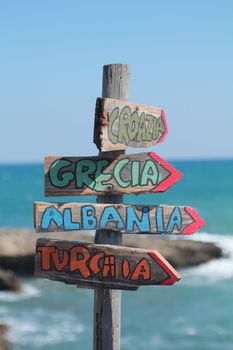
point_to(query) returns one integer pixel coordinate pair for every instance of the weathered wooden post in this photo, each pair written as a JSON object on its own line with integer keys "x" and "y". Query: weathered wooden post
{"x": 107, "y": 302}
{"x": 106, "y": 265}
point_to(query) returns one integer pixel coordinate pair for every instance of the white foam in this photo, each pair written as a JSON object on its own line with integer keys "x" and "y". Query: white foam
{"x": 214, "y": 270}
{"x": 28, "y": 291}
{"x": 31, "y": 332}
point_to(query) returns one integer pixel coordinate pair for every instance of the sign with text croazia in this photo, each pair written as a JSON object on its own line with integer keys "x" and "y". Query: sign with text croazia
{"x": 95, "y": 265}
{"x": 49, "y": 217}
{"x": 121, "y": 125}
{"x": 135, "y": 173}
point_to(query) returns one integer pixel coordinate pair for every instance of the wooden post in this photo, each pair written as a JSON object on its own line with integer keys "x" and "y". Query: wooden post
{"x": 107, "y": 302}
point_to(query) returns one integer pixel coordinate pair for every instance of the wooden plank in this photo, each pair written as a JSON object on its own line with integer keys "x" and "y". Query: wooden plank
{"x": 50, "y": 217}
{"x": 121, "y": 125}
{"x": 132, "y": 174}
{"x": 95, "y": 265}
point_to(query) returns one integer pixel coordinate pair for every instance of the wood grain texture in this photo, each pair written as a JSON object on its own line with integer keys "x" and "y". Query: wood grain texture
{"x": 121, "y": 125}
{"x": 130, "y": 174}
{"x": 107, "y": 302}
{"x": 52, "y": 217}
{"x": 96, "y": 266}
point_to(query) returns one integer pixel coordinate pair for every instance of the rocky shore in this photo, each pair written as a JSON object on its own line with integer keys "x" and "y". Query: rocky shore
{"x": 17, "y": 250}
{"x": 4, "y": 343}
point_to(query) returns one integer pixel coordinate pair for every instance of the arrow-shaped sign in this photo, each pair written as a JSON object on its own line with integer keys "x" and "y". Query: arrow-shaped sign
{"x": 95, "y": 265}
{"x": 49, "y": 217}
{"x": 120, "y": 125}
{"x": 133, "y": 174}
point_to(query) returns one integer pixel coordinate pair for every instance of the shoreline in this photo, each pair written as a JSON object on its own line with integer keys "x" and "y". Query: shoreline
{"x": 17, "y": 252}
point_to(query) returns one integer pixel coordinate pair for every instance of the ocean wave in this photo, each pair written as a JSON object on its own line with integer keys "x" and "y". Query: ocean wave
{"x": 28, "y": 291}
{"x": 214, "y": 270}
{"x": 37, "y": 332}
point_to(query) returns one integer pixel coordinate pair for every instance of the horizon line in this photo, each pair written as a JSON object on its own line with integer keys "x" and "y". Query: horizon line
{"x": 178, "y": 159}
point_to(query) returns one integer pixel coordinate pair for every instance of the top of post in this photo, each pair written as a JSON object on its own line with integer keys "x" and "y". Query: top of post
{"x": 115, "y": 81}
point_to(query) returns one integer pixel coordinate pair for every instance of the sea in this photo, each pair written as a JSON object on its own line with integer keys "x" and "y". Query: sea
{"x": 195, "y": 313}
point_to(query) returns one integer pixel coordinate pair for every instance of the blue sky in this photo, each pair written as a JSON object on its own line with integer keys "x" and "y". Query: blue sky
{"x": 51, "y": 58}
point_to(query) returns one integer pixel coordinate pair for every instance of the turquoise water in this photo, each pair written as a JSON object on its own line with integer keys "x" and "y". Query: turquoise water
{"x": 196, "y": 313}
{"x": 207, "y": 186}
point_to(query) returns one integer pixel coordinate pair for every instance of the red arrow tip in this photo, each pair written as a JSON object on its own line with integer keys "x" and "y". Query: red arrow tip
{"x": 165, "y": 124}
{"x": 173, "y": 276}
{"x": 172, "y": 178}
{"x": 197, "y": 223}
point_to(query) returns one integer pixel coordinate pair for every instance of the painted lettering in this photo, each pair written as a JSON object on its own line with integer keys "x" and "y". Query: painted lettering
{"x": 46, "y": 257}
{"x": 113, "y": 116}
{"x": 149, "y": 130}
{"x": 175, "y": 221}
{"x": 94, "y": 262}
{"x": 79, "y": 259}
{"x": 60, "y": 260}
{"x": 133, "y": 125}
{"x": 51, "y": 215}
{"x": 125, "y": 268}
{"x": 101, "y": 178}
{"x": 109, "y": 266}
{"x": 141, "y": 136}
{"x": 67, "y": 221}
{"x": 135, "y": 173}
{"x": 123, "y": 123}
{"x": 106, "y": 175}
{"x": 117, "y": 173}
{"x": 159, "y": 219}
{"x": 159, "y": 128}
{"x": 89, "y": 221}
{"x": 110, "y": 216}
{"x": 84, "y": 169}
{"x": 126, "y": 218}
{"x": 142, "y": 270}
{"x": 127, "y": 126}
{"x": 56, "y": 178}
{"x": 150, "y": 173}
{"x": 142, "y": 224}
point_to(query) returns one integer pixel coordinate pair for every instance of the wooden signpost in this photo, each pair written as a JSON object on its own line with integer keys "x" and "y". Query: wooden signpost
{"x": 101, "y": 266}
{"x": 121, "y": 125}
{"x": 50, "y": 217}
{"x": 134, "y": 174}
{"x": 105, "y": 265}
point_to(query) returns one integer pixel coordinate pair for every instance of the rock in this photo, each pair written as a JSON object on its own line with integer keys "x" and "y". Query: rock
{"x": 4, "y": 344}
{"x": 17, "y": 248}
{"x": 179, "y": 252}
{"x": 3, "y": 329}
{"x": 9, "y": 281}
{"x": 190, "y": 253}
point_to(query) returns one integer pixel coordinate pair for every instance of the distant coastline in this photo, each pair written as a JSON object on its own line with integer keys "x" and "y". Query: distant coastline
{"x": 17, "y": 250}
{"x": 168, "y": 159}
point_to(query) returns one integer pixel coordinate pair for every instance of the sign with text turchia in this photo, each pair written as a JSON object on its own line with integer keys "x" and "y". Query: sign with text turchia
{"x": 120, "y": 125}
{"x": 50, "y": 217}
{"x": 134, "y": 173}
{"x": 101, "y": 266}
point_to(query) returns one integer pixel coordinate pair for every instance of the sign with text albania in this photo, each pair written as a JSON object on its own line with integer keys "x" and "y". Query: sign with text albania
{"x": 50, "y": 217}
